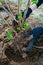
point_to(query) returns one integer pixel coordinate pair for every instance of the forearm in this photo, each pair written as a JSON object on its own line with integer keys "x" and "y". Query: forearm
{"x": 30, "y": 45}
{"x": 33, "y": 7}
{"x": 30, "y": 10}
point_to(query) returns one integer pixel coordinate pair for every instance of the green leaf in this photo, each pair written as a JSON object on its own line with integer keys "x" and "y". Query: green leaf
{"x": 26, "y": 25}
{"x": 9, "y": 36}
{"x": 20, "y": 16}
{"x": 19, "y": 28}
{"x": 35, "y": 1}
{"x": 0, "y": 2}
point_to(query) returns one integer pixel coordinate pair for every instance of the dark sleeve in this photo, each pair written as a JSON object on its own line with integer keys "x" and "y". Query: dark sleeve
{"x": 29, "y": 11}
{"x": 1, "y": 9}
{"x": 39, "y": 3}
{"x": 15, "y": 23}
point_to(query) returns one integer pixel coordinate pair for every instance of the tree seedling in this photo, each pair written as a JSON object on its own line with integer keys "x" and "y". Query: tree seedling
{"x": 9, "y": 36}
{"x": 26, "y": 25}
{"x": 20, "y": 16}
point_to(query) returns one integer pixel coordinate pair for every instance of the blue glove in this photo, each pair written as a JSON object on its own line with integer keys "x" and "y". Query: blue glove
{"x": 37, "y": 32}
